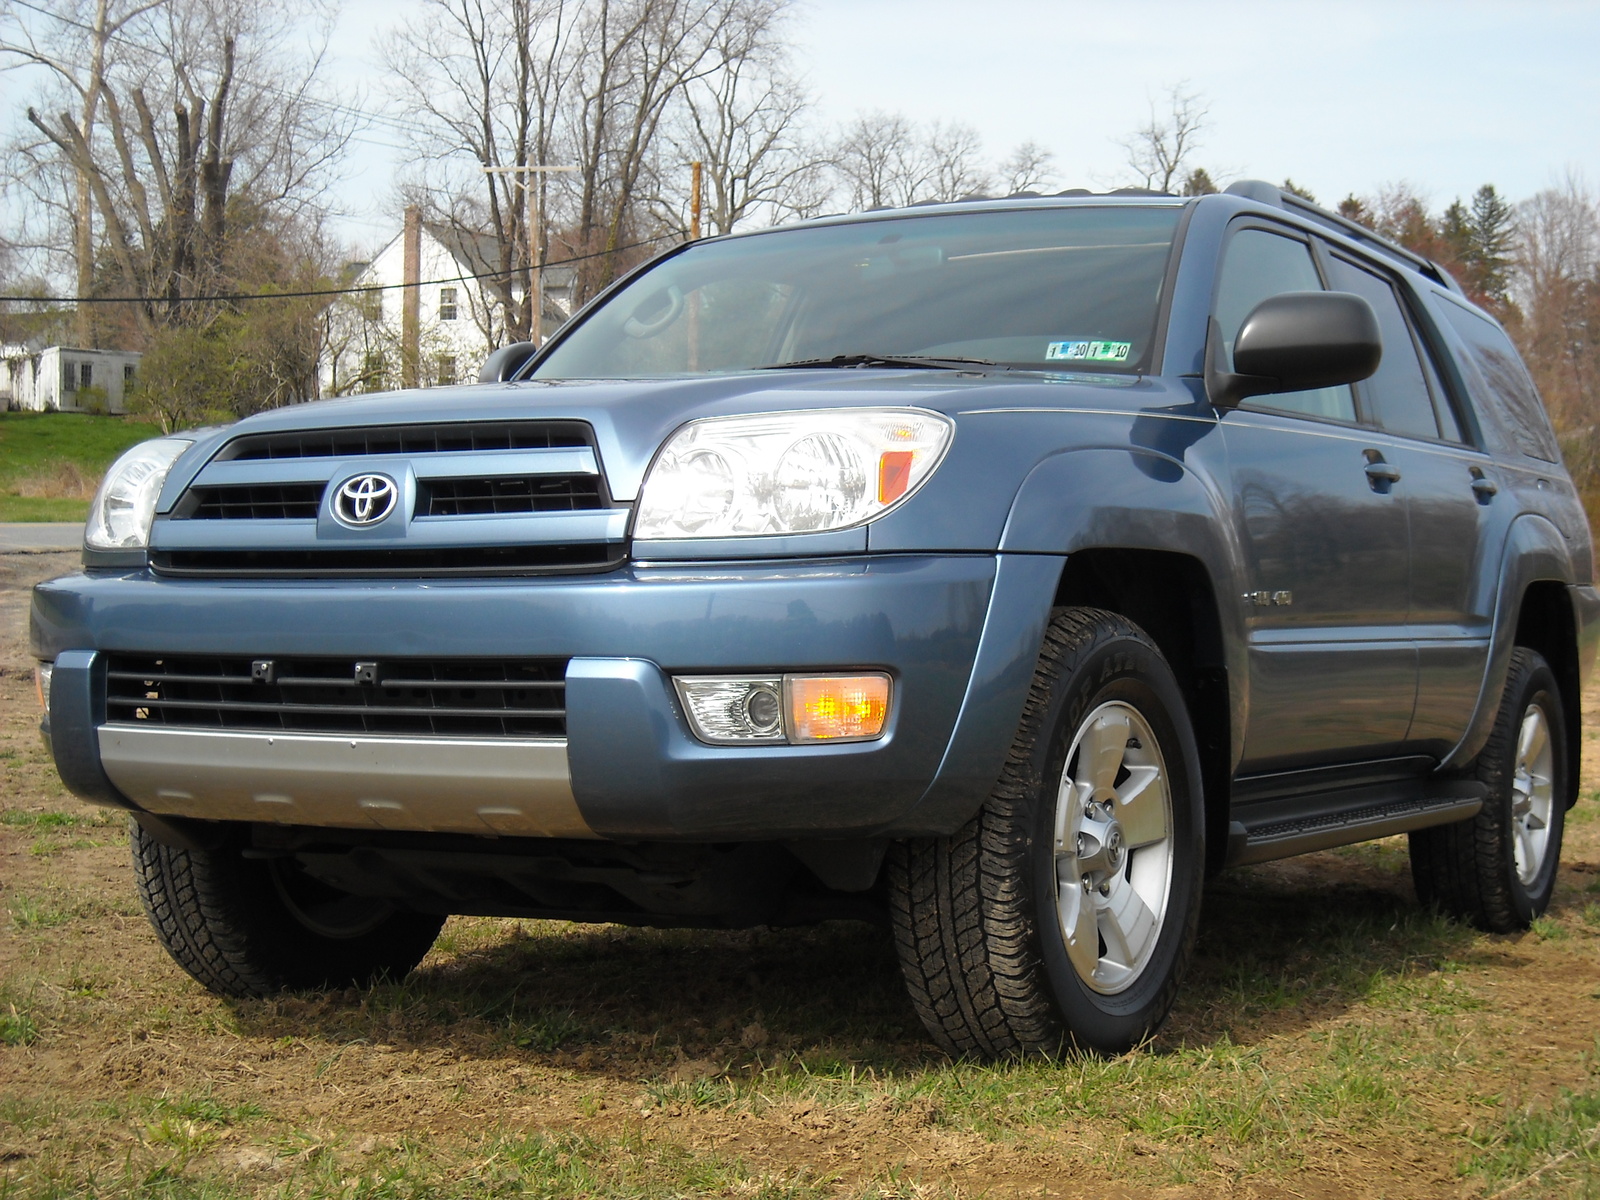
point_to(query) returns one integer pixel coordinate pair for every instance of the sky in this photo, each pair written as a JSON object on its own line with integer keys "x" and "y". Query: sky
{"x": 1340, "y": 95}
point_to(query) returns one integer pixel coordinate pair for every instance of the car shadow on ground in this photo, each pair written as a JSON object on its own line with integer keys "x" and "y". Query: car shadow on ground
{"x": 1282, "y": 947}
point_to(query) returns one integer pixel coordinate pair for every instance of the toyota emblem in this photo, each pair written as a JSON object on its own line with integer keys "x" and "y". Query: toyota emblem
{"x": 365, "y": 499}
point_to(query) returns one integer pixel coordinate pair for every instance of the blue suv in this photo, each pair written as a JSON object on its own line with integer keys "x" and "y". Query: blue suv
{"x": 992, "y": 570}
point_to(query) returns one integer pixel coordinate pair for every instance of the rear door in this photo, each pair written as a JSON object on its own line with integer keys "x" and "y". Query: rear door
{"x": 1450, "y": 488}
{"x": 1323, "y": 526}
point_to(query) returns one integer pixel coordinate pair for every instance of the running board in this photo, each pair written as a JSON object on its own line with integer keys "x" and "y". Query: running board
{"x": 1285, "y": 828}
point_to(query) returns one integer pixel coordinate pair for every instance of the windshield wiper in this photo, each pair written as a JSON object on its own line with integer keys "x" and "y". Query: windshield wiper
{"x": 910, "y": 361}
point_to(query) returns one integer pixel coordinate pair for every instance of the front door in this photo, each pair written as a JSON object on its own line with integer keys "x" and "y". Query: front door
{"x": 1324, "y": 541}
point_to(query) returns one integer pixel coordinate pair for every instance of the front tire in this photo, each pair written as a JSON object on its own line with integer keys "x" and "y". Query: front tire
{"x": 1498, "y": 870}
{"x": 251, "y": 927}
{"x": 1064, "y": 914}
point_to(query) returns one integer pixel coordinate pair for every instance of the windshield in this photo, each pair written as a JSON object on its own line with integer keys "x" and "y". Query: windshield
{"x": 1039, "y": 288}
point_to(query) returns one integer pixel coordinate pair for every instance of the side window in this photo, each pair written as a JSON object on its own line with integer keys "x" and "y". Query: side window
{"x": 1398, "y": 391}
{"x": 1258, "y": 265}
{"x": 1510, "y": 401}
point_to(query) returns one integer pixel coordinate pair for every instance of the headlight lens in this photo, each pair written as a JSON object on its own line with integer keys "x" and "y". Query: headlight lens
{"x": 125, "y": 505}
{"x": 795, "y": 472}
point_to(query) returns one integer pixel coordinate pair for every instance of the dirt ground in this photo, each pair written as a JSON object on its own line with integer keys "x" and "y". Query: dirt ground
{"x": 1333, "y": 1040}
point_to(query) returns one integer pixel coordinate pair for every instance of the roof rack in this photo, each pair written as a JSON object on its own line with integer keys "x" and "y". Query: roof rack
{"x": 1270, "y": 193}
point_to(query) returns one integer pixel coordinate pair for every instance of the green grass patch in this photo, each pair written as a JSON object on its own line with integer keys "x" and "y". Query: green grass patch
{"x": 22, "y": 819}
{"x": 36, "y": 912}
{"x": 1556, "y": 1149}
{"x": 49, "y": 462}
{"x": 17, "y": 1025}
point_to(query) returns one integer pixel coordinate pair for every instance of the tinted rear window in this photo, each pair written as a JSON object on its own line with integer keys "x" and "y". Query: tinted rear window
{"x": 1513, "y": 415}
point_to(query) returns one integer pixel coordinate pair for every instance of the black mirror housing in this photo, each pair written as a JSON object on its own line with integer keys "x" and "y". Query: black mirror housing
{"x": 1295, "y": 342}
{"x": 505, "y": 362}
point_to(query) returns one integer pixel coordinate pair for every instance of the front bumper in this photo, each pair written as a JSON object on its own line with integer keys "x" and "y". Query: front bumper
{"x": 959, "y": 633}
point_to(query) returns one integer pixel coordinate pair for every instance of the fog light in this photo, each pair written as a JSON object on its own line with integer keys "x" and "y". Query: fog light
{"x": 732, "y": 710}
{"x": 837, "y": 708}
{"x": 42, "y": 673}
{"x": 738, "y": 710}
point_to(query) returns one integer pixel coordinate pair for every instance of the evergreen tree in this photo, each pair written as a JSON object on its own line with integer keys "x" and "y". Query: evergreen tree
{"x": 1198, "y": 183}
{"x": 1294, "y": 189}
{"x": 1493, "y": 225}
{"x": 1353, "y": 208}
{"x": 1456, "y": 229}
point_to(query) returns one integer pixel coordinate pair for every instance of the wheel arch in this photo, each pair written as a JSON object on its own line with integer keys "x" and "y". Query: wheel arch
{"x": 1547, "y": 624}
{"x": 1171, "y": 596}
{"x": 1534, "y": 608}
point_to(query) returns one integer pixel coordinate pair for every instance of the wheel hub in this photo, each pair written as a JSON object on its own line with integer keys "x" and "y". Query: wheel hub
{"x": 1113, "y": 847}
{"x": 1532, "y": 794}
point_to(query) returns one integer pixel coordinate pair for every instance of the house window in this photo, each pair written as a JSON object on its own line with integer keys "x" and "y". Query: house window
{"x": 127, "y": 374}
{"x": 69, "y": 376}
{"x": 447, "y": 304}
{"x": 447, "y": 369}
{"x": 86, "y": 375}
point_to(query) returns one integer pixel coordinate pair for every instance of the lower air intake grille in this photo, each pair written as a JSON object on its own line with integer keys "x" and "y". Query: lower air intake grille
{"x": 447, "y": 697}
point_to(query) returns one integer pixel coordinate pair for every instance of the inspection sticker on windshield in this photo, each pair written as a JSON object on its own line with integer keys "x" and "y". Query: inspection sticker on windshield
{"x": 1088, "y": 351}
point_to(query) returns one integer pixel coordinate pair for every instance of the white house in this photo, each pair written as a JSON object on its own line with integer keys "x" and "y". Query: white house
{"x": 458, "y": 319}
{"x": 66, "y": 379}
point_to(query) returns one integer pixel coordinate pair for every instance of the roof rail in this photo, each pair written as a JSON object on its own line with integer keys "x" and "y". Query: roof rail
{"x": 1270, "y": 193}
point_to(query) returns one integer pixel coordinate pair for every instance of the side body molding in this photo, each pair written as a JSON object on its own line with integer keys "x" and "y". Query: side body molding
{"x": 1137, "y": 499}
{"x": 1534, "y": 550}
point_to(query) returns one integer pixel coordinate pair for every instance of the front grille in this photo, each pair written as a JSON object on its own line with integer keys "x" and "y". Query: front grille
{"x": 449, "y": 697}
{"x": 253, "y": 502}
{"x": 509, "y": 494}
{"x": 407, "y": 439}
{"x": 358, "y": 562}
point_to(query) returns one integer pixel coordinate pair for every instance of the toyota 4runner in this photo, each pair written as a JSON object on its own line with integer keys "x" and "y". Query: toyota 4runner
{"x": 994, "y": 569}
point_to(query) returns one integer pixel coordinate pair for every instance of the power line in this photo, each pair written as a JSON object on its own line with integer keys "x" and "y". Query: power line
{"x": 234, "y": 297}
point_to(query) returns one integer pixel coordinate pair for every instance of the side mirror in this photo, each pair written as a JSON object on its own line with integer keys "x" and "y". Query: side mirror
{"x": 1293, "y": 343}
{"x": 505, "y": 362}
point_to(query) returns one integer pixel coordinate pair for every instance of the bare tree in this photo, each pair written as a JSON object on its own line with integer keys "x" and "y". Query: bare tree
{"x": 885, "y": 160}
{"x": 483, "y": 83}
{"x": 635, "y": 61}
{"x": 744, "y": 124}
{"x": 211, "y": 119}
{"x": 1160, "y": 150}
{"x": 1029, "y": 168}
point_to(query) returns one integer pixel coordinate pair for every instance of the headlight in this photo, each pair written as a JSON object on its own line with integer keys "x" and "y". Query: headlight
{"x": 793, "y": 472}
{"x": 119, "y": 518}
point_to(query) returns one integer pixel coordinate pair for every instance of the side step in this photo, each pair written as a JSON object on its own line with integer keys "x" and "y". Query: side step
{"x": 1281, "y": 829}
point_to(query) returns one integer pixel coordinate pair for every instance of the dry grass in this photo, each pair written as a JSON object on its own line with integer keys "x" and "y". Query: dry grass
{"x": 1333, "y": 1041}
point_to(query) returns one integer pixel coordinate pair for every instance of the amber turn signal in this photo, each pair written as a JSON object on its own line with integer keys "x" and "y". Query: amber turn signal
{"x": 837, "y": 708}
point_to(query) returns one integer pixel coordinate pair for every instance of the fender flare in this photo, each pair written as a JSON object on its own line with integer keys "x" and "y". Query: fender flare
{"x": 1534, "y": 551}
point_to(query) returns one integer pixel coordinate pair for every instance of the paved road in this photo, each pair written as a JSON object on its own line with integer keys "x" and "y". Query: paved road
{"x": 42, "y": 535}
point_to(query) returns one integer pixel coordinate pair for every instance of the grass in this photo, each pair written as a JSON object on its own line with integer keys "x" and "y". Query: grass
{"x": 51, "y": 462}
{"x": 1556, "y": 1146}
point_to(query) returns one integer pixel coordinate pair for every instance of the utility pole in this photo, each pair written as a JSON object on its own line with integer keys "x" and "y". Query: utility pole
{"x": 535, "y": 255}
{"x": 694, "y": 201}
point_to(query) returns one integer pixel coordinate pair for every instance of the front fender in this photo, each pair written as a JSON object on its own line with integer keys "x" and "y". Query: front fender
{"x": 1133, "y": 498}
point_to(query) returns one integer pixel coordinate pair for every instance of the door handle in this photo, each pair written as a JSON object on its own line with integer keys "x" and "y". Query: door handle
{"x": 1483, "y": 489}
{"x": 1382, "y": 472}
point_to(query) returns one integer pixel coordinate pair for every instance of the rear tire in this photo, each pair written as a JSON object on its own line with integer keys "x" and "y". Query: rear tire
{"x": 251, "y": 927}
{"x": 1064, "y": 914}
{"x": 1498, "y": 870}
